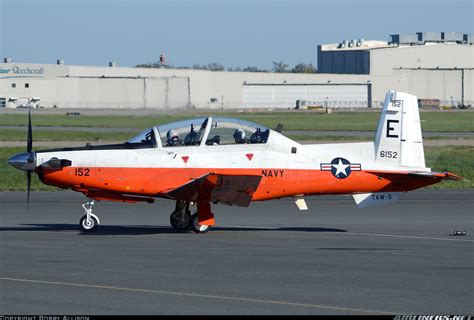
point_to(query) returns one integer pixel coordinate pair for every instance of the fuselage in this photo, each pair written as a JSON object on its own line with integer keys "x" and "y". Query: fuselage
{"x": 287, "y": 168}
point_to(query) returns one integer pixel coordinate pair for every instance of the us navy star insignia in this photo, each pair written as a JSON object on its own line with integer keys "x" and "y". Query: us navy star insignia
{"x": 340, "y": 168}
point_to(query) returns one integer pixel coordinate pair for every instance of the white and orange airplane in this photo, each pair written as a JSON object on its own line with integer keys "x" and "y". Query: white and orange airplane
{"x": 211, "y": 160}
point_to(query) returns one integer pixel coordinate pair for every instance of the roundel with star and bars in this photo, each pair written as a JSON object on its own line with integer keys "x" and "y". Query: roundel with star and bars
{"x": 340, "y": 168}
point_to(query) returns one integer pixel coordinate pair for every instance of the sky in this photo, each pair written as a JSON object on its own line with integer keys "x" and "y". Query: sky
{"x": 234, "y": 33}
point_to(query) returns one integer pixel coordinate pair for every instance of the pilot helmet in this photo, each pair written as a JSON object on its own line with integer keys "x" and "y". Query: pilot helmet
{"x": 171, "y": 135}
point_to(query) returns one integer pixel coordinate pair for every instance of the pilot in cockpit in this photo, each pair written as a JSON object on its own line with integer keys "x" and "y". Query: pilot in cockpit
{"x": 172, "y": 138}
{"x": 239, "y": 136}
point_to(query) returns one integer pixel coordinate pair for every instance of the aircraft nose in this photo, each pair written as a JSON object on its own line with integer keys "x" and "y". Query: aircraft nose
{"x": 23, "y": 161}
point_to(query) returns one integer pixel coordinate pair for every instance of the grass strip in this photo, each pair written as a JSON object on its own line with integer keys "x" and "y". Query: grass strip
{"x": 65, "y": 135}
{"x": 295, "y": 120}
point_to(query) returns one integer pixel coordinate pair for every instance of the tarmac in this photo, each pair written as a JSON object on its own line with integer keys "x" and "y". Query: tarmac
{"x": 269, "y": 258}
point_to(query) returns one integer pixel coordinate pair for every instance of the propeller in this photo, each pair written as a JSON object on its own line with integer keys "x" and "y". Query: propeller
{"x": 28, "y": 183}
{"x": 29, "y": 143}
{"x": 29, "y": 147}
{"x": 26, "y": 161}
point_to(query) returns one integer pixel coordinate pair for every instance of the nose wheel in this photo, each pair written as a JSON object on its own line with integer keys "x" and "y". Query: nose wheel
{"x": 89, "y": 221}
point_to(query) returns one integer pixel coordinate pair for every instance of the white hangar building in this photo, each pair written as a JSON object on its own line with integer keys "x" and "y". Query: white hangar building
{"x": 353, "y": 73}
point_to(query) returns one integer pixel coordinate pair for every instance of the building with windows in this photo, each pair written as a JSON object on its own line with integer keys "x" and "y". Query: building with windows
{"x": 352, "y": 73}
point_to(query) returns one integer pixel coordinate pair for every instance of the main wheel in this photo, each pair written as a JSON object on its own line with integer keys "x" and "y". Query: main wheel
{"x": 197, "y": 228}
{"x": 88, "y": 226}
{"x": 180, "y": 222}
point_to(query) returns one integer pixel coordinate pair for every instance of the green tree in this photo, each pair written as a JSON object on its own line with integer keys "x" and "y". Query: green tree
{"x": 215, "y": 67}
{"x": 280, "y": 67}
{"x": 253, "y": 69}
{"x": 304, "y": 68}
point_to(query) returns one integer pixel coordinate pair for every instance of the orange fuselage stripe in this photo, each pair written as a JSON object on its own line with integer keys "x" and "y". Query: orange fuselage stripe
{"x": 276, "y": 183}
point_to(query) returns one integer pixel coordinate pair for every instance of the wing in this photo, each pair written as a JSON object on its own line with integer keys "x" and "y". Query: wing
{"x": 214, "y": 187}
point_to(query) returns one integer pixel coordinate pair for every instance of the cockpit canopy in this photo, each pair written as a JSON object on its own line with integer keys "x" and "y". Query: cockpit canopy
{"x": 210, "y": 131}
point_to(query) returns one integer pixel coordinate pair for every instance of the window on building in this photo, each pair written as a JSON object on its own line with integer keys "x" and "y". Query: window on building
{"x": 13, "y": 85}
{"x": 3, "y": 102}
{"x": 27, "y": 85}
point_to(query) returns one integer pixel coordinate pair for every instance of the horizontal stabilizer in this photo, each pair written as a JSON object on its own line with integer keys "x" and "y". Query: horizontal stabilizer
{"x": 364, "y": 200}
{"x": 212, "y": 187}
{"x": 441, "y": 175}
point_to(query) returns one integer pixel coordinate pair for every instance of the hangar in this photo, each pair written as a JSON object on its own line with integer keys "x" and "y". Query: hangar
{"x": 352, "y": 74}
{"x": 433, "y": 65}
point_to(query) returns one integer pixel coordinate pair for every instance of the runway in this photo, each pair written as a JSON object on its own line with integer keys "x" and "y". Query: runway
{"x": 269, "y": 258}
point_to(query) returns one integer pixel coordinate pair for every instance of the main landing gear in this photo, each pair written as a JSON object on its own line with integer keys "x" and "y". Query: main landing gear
{"x": 182, "y": 220}
{"x": 89, "y": 221}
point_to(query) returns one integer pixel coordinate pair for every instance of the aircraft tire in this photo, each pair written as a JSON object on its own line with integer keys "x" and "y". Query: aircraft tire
{"x": 177, "y": 224}
{"x": 196, "y": 227}
{"x": 88, "y": 227}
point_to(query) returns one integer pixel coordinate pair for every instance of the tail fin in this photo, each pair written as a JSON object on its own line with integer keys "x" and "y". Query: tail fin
{"x": 398, "y": 140}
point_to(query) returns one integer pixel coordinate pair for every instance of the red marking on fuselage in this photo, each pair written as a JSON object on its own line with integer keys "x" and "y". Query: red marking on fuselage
{"x": 249, "y": 156}
{"x": 185, "y": 159}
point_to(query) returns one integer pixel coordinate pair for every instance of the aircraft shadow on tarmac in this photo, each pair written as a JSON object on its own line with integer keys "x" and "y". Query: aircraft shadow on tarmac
{"x": 142, "y": 230}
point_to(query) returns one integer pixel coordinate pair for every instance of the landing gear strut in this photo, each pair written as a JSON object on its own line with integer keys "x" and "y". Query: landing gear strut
{"x": 201, "y": 222}
{"x": 180, "y": 219}
{"x": 89, "y": 221}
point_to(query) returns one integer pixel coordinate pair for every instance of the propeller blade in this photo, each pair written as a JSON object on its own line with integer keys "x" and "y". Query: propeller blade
{"x": 29, "y": 144}
{"x": 28, "y": 187}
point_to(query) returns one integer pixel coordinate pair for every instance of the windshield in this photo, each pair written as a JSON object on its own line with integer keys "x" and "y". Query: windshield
{"x": 145, "y": 138}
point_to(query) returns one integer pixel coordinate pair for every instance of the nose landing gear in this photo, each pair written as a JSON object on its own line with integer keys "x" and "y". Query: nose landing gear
{"x": 89, "y": 221}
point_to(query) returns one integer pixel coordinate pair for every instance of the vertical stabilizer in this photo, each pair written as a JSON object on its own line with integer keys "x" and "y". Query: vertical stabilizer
{"x": 398, "y": 140}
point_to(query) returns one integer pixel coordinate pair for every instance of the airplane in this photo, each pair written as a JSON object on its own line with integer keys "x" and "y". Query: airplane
{"x": 210, "y": 160}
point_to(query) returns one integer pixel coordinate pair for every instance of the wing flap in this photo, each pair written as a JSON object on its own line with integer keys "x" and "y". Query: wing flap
{"x": 214, "y": 187}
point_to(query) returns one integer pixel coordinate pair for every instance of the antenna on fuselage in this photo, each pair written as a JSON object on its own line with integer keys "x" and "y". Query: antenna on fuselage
{"x": 279, "y": 128}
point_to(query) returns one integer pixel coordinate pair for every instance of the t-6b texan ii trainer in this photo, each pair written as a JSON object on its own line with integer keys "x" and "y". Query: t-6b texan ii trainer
{"x": 222, "y": 160}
